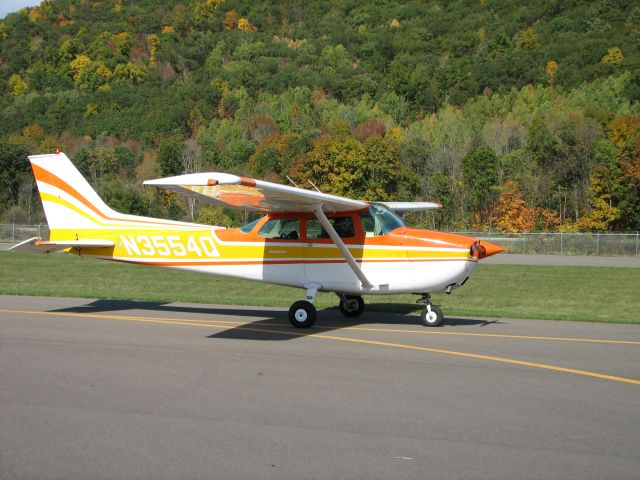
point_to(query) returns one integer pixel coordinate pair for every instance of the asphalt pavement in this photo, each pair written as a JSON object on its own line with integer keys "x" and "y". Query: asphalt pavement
{"x": 99, "y": 389}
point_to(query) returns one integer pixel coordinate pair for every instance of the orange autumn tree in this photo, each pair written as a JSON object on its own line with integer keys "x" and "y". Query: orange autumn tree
{"x": 624, "y": 133}
{"x": 512, "y": 213}
{"x": 230, "y": 20}
{"x": 272, "y": 157}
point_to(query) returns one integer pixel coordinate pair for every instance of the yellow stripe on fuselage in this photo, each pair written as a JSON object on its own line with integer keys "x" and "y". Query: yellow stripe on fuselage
{"x": 201, "y": 246}
{"x": 162, "y": 245}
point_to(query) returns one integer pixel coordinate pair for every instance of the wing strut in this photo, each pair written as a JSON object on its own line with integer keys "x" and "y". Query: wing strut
{"x": 324, "y": 221}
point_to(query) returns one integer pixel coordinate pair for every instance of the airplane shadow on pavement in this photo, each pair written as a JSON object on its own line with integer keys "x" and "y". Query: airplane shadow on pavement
{"x": 274, "y": 324}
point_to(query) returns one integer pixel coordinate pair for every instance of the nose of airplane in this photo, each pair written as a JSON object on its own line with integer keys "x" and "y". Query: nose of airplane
{"x": 483, "y": 249}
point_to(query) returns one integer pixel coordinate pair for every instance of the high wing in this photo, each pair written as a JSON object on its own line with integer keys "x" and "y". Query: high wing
{"x": 225, "y": 190}
{"x": 404, "y": 207}
{"x": 37, "y": 245}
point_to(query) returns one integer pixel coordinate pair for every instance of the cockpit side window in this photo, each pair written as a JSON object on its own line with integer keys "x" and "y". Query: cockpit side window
{"x": 342, "y": 225}
{"x": 368, "y": 224}
{"x": 282, "y": 228}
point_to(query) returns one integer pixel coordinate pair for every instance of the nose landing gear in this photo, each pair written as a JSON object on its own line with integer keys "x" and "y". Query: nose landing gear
{"x": 431, "y": 316}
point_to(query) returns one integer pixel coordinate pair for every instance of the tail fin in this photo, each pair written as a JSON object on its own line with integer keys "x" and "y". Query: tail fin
{"x": 71, "y": 204}
{"x": 69, "y": 201}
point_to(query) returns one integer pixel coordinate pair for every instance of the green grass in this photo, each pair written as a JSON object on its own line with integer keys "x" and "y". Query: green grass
{"x": 590, "y": 294}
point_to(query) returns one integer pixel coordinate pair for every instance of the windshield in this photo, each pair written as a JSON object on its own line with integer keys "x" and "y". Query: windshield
{"x": 249, "y": 226}
{"x": 379, "y": 220}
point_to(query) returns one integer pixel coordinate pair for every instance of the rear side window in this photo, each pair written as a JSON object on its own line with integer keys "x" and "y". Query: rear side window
{"x": 342, "y": 225}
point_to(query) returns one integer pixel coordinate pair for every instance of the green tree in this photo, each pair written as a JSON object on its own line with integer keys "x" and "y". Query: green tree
{"x": 122, "y": 197}
{"x": 481, "y": 179}
{"x": 169, "y": 155}
{"x": 13, "y": 167}
{"x": 603, "y": 213}
{"x": 614, "y": 56}
{"x": 211, "y": 215}
{"x": 528, "y": 39}
{"x": 18, "y": 86}
{"x": 381, "y": 168}
{"x": 335, "y": 165}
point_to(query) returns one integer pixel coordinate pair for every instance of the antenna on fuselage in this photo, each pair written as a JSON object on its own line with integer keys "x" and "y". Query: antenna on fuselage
{"x": 292, "y": 182}
{"x": 313, "y": 185}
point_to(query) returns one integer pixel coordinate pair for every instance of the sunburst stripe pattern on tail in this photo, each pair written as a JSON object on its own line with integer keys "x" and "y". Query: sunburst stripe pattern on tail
{"x": 105, "y": 215}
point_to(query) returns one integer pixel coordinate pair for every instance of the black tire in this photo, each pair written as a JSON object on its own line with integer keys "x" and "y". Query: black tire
{"x": 302, "y": 314}
{"x": 347, "y": 308}
{"x": 431, "y": 321}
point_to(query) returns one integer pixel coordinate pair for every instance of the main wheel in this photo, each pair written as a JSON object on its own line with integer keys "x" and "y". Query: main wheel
{"x": 351, "y": 305}
{"x": 302, "y": 314}
{"x": 433, "y": 318}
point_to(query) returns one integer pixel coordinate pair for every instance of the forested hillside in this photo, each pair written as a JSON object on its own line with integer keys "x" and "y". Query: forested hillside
{"x": 513, "y": 115}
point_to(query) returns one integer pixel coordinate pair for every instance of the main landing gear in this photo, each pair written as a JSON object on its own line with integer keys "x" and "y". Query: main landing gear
{"x": 351, "y": 305}
{"x": 431, "y": 316}
{"x": 302, "y": 314}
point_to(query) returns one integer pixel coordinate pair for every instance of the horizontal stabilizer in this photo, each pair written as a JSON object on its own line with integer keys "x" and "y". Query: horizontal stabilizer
{"x": 37, "y": 245}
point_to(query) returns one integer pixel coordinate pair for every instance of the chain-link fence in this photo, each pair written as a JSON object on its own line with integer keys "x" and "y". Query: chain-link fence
{"x": 561, "y": 243}
{"x": 16, "y": 232}
{"x": 606, "y": 244}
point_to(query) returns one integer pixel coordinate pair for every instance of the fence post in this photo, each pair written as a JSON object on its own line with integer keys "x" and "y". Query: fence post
{"x": 524, "y": 243}
{"x": 597, "y": 244}
{"x": 13, "y": 233}
{"x": 561, "y": 245}
{"x": 637, "y": 241}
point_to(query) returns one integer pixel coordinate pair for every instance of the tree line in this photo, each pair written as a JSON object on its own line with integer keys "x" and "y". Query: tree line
{"x": 513, "y": 117}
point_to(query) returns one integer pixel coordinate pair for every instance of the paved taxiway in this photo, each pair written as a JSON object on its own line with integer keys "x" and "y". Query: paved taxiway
{"x": 106, "y": 389}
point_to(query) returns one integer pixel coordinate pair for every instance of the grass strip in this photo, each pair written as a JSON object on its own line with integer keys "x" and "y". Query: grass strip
{"x": 588, "y": 294}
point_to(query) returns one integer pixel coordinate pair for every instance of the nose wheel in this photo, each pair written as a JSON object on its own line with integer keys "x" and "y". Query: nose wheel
{"x": 431, "y": 316}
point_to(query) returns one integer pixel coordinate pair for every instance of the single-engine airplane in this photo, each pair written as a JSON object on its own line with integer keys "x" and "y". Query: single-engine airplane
{"x": 306, "y": 239}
